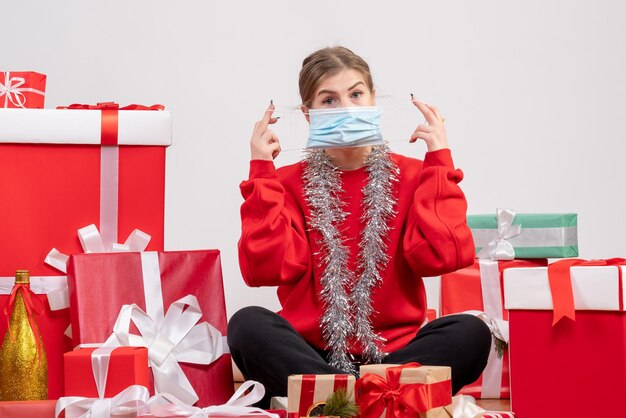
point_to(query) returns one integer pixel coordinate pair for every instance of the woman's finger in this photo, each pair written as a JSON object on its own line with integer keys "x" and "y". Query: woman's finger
{"x": 274, "y": 120}
{"x": 274, "y": 147}
{"x": 435, "y": 111}
{"x": 428, "y": 114}
{"x": 425, "y": 128}
{"x": 269, "y": 137}
{"x": 422, "y": 135}
{"x": 267, "y": 116}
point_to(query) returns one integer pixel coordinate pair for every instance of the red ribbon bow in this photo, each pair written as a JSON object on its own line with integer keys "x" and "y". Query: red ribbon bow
{"x": 109, "y": 110}
{"x": 561, "y": 284}
{"x": 375, "y": 393}
{"x": 33, "y": 307}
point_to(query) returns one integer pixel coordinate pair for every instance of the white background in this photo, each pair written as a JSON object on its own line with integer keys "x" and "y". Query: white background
{"x": 533, "y": 93}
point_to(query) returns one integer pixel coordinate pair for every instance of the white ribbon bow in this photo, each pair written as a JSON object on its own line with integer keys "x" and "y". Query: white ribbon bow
{"x": 464, "y": 406}
{"x": 13, "y": 92}
{"x": 132, "y": 400}
{"x": 499, "y": 327}
{"x": 175, "y": 338}
{"x": 165, "y": 404}
{"x": 499, "y": 248}
{"x": 91, "y": 241}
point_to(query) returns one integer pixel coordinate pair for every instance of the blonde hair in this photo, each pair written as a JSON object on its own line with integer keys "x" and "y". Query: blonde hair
{"x": 328, "y": 62}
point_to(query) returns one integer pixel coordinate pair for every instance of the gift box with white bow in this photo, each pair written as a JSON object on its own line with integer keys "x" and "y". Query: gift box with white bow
{"x": 61, "y": 170}
{"x": 22, "y": 89}
{"x": 121, "y": 367}
{"x": 568, "y": 333}
{"x": 532, "y": 235}
{"x": 171, "y": 302}
{"x": 478, "y": 290}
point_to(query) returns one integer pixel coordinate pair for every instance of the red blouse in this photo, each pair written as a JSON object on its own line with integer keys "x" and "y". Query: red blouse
{"x": 429, "y": 236}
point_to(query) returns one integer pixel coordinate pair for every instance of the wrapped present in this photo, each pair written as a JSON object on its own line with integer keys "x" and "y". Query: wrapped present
{"x": 22, "y": 89}
{"x": 52, "y": 324}
{"x": 165, "y": 405}
{"x": 525, "y": 235}
{"x": 387, "y": 390}
{"x": 99, "y": 369}
{"x": 477, "y": 289}
{"x": 152, "y": 300}
{"x": 568, "y": 332}
{"x": 125, "y": 366}
{"x": 65, "y": 169}
{"x": 22, "y": 409}
{"x": 307, "y": 391}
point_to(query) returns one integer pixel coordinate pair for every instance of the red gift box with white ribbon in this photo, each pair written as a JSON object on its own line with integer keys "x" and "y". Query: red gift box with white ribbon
{"x": 22, "y": 89}
{"x": 171, "y": 302}
{"x": 478, "y": 288}
{"x": 64, "y": 169}
{"x": 568, "y": 333}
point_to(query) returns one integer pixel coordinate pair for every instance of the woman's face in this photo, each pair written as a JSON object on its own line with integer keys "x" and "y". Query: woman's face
{"x": 344, "y": 89}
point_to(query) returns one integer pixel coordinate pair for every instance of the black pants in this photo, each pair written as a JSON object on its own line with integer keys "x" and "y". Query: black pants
{"x": 266, "y": 348}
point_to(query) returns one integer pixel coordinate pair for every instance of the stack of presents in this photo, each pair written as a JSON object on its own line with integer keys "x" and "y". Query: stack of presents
{"x": 127, "y": 329}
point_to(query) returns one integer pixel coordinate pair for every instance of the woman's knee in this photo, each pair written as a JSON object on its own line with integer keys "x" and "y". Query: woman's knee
{"x": 245, "y": 325}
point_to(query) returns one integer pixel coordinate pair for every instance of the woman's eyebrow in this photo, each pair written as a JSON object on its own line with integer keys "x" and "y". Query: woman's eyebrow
{"x": 325, "y": 91}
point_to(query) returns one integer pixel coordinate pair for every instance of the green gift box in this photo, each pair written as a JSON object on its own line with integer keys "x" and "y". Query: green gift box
{"x": 531, "y": 235}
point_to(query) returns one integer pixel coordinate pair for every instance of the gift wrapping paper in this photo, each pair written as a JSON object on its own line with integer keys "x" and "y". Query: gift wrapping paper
{"x": 541, "y": 235}
{"x": 425, "y": 390}
{"x": 563, "y": 368}
{"x": 306, "y": 390}
{"x": 122, "y": 279}
{"x": 127, "y": 366}
{"x": 22, "y": 89}
{"x": 479, "y": 288}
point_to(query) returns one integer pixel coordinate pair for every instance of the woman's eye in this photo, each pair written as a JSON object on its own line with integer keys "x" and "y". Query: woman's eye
{"x": 357, "y": 94}
{"x": 328, "y": 101}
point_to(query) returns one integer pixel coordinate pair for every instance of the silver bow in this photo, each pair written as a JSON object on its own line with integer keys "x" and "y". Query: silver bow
{"x": 499, "y": 248}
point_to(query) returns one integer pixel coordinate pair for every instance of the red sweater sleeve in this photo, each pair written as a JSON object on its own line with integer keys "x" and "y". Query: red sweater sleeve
{"x": 273, "y": 248}
{"x": 437, "y": 239}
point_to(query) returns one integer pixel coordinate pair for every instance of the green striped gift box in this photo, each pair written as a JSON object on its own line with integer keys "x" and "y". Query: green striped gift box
{"x": 543, "y": 235}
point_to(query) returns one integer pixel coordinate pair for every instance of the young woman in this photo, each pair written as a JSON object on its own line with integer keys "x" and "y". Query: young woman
{"x": 346, "y": 235}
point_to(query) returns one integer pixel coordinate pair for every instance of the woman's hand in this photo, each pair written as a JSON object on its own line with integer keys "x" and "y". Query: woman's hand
{"x": 433, "y": 132}
{"x": 264, "y": 144}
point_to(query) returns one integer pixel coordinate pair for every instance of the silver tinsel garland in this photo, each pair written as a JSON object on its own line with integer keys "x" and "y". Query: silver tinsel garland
{"x": 347, "y": 300}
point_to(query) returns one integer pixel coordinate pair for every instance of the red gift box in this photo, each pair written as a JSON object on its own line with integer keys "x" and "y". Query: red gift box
{"x": 22, "y": 89}
{"x": 27, "y": 409}
{"x": 58, "y": 179}
{"x": 574, "y": 365}
{"x": 52, "y": 325}
{"x": 127, "y": 366}
{"x": 118, "y": 279}
{"x": 467, "y": 290}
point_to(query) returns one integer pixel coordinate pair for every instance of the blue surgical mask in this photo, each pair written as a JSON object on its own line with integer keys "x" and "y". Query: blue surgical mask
{"x": 344, "y": 127}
